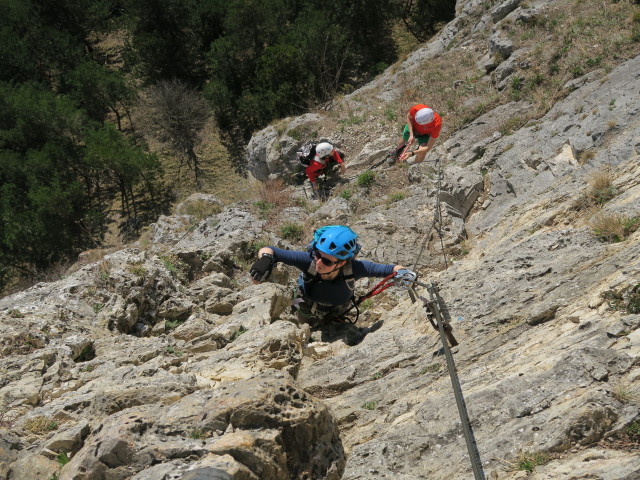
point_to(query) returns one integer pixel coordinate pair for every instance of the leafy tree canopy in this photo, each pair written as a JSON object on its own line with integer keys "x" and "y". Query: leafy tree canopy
{"x": 257, "y": 60}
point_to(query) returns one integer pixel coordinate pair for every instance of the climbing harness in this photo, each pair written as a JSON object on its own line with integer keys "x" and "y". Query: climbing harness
{"x": 340, "y": 242}
{"x": 404, "y": 279}
{"x": 309, "y": 277}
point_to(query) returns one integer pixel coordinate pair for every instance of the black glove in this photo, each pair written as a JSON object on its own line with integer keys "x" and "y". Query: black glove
{"x": 261, "y": 268}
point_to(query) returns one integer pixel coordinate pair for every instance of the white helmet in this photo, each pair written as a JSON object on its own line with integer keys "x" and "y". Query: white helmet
{"x": 324, "y": 149}
{"x": 424, "y": 116}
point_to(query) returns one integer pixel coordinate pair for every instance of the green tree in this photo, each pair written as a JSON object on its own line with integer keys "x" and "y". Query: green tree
{"x": 42, "y": 198}
{"x": 422, "y": 17}
{"x": 114, "y": 159}
{"x": 56, "y": 170}
{"x": 256, "y": 60}
{"x": 280, "y": 57}
{"x": 100, "y": 91}
{"x": 40, "y": 40}
{"x": 58, "y": 163}
{"x": 170, "y": 38}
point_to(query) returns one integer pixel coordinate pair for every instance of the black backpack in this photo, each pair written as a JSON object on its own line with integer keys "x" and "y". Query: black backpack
{"x": 306, "y": 153}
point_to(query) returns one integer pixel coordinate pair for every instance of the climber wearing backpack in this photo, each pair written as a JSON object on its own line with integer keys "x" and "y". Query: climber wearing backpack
{"x": 318, "y": 159}
{"x": 423, "y": 125}
{"x": 329, "y": 272}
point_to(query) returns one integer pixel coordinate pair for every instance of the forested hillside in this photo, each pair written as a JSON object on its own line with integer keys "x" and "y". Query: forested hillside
{"x": 85, "y": 84}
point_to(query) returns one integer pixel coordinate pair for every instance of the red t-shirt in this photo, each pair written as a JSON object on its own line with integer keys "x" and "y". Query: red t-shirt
{"x": 432, "y": 129}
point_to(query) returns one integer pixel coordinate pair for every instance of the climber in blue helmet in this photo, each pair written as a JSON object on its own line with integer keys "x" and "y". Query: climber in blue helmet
{"x": 329, "y": 271}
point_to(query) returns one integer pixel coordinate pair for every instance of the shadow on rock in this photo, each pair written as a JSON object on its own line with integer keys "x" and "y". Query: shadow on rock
{"x": 346, "y": 332}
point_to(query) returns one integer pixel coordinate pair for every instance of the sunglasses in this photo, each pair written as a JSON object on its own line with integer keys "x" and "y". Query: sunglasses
{"x": 325, "y": 261}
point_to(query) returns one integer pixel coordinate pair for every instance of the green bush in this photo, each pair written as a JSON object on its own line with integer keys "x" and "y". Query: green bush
{"x": 629, "y": 302}
{"x": 254, "y": 247}
{"x": 291, "y": 231}
{"x": 366, "y": 305}
{"x": 87, "y": 353}
{"x": 381, "y": 67}
{"x": 238, "y": 332}
{"x": 602, "y": 196}
{"x": 171, "y": 350}
{"x": 170, "y": 325}
{"x": 433, "y": 368}
{"x": 63, "y": 459}
{"x": 366, "y": 179}
{"x": 264, "y": 208}
{"x": 633, "y": 302}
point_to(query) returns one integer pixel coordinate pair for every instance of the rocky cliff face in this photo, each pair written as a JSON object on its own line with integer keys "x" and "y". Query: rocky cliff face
{"x": 164, "y": 362}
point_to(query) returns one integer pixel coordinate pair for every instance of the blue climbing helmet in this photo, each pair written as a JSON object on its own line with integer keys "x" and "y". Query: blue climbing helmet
{"x": 336, "y": 240}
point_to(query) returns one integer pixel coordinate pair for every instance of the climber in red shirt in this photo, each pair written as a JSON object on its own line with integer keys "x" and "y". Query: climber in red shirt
{"x": 423, "y": 124}
{"x": 325, "y": 153}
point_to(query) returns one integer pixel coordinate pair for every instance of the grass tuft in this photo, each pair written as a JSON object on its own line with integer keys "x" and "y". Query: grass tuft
{"x": 528, "y": 461}
{"x": 370, "y": 405}
{"x": 602, "y": 189}
{"x": 63, "y": 459}
{"x": 200, "y": 209}
{"x": 612, "y": 227}
{"x": 625, "y": 394}
{"x": 40, "y": 425}
{"x": 633, "y": 430}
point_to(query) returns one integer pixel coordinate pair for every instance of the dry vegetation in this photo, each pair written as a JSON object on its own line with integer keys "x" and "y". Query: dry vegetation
{"x": 272, "y": 198}
{"x": 219, "y": 175}
{"x": 612, "y": 227}
{"x": 600, "y": 190}
{"x": 39, "y": 425}
{"x": 563, "y": 42}
{"x": 566, "y": 41}
{"x": 601, "y": 187}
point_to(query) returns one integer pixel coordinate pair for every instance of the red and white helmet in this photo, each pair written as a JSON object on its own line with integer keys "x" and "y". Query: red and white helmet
{"x": 324, "y": 149}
